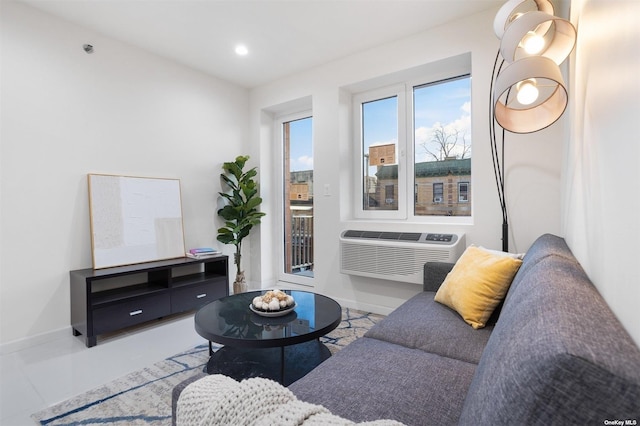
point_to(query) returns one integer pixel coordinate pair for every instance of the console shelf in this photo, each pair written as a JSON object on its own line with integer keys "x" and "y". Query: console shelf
{"x": 106, "y": 300}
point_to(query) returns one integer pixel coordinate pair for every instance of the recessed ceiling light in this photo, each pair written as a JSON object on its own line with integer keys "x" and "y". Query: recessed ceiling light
{"x": 241, "y": 50}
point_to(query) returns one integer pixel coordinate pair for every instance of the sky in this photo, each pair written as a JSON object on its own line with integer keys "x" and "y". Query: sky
{"x": 301, "y": 144}
{"x": 447, "y": 104}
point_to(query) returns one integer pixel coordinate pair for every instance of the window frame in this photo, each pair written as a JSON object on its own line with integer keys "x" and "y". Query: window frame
{"x": 406, "y": 193}
{"x": 399, "y": 91}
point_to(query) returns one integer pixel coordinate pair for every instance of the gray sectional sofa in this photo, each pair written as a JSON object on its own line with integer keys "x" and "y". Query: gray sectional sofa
{"x": 553, "y": 354}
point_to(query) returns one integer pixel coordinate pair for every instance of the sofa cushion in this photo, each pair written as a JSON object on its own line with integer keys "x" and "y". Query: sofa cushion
{"x": 371, "y": 379}
{"x": 423, "y": 324}
{"x": 557, "y": 355}
{"x": 545, "y": 246}
{"x": 477, "y": 284}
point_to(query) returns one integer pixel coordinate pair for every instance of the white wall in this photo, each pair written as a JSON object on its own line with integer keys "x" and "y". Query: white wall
{"x": 122, "y": 110}
{"x": 65, "y": 113}
{"x": 533, "y": 161}
{"x": 601, "y": 183}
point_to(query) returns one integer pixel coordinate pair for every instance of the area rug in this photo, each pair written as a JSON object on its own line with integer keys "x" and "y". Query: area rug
{"x": 144, "y": 397}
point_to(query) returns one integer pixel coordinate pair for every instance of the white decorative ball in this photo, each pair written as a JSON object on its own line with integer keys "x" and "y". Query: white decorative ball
{"x": 274, "y": 305}
{"x": 289, "y": 300}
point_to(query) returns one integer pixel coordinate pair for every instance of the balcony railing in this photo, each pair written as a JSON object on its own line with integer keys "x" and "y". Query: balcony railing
{"x": 301, "y": 244}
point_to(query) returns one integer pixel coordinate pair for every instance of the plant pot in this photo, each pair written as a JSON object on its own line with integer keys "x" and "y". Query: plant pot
{"x": 240, "y": 284}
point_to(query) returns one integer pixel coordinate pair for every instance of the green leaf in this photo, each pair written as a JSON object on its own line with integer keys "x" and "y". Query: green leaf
{"x": 226, "y": 238}
{"x": 253, "y": 203}
{"x": 241, "y": 160}
{"x": 250, "y": 174}
{"x": 244, "y": 232}
{"x": 229, "y": 197}
{"x": 234, "y": 169}
{"x": 229, "y": 213}
{"x": 232, "y": 183}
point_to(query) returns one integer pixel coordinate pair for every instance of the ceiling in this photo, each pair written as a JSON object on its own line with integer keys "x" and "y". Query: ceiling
{"x": 283, "y": 37}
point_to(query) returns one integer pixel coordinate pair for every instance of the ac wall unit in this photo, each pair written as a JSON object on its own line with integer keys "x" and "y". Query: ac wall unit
{"x": 437, "y": 200}
{"x": 396, "y": 256}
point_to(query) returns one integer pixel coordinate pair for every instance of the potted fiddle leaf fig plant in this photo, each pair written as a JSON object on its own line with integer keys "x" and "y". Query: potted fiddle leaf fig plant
{"x": 240, "y": 211}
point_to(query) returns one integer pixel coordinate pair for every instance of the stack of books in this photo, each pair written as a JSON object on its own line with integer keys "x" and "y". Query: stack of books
{"x": 201, "y": 253}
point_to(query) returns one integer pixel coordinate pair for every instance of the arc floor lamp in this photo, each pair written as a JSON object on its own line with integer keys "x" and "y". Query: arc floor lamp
{"x": 527, "y": 92}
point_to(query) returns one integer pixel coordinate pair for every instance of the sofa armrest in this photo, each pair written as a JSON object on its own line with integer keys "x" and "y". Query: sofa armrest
{"x": 434, "y": 275}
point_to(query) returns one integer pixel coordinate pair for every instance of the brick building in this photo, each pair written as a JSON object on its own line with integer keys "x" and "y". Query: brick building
{"x": 442, "y": 188}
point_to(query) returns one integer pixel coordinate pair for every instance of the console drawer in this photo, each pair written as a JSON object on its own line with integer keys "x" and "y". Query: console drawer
{"x": 131, "y": 312}
{"x": 192, "y": 297}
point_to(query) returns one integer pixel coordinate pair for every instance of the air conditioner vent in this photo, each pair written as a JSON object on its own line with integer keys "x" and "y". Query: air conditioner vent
{"x": 369, "y": 234}
{"x": 396, "y": 256}
{"x": 352, "y": 234}
{"x": 390, "y": 235}
{"x": 413, "y": 236}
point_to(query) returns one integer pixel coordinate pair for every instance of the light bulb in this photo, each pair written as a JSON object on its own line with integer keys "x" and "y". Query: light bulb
{"x": 527, "y": 91}
{"x": 532, "y": 43}
{"x": 241, "y": 50}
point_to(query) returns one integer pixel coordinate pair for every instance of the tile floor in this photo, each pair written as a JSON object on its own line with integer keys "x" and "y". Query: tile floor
{"x": 35, "y": 378}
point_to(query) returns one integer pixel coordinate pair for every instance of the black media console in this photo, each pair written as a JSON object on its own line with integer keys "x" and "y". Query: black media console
{"x": 106, "y": 300}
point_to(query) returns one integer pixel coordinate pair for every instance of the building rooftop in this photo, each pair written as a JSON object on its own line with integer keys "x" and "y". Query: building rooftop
{"x": 430, "y": 169}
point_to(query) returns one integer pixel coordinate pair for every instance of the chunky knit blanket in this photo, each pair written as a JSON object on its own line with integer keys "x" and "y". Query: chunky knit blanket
{"x": 220, "y": 400}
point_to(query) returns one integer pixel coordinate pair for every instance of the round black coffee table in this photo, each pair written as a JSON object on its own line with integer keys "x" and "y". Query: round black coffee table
{"x": 282, "y": 348}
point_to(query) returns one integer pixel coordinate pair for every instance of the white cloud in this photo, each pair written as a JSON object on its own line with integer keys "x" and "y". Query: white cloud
{"x": 424, "y": 135}
{"x": 302, "y": 163}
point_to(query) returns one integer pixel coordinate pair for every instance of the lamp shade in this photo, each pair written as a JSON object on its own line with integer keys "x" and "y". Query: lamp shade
{"x": 538, "y": 75}
{"x": 559, "y": 40}
{"x": 513, "y": 8}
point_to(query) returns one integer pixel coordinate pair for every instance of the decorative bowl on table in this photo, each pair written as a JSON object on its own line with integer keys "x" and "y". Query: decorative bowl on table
{"x": 273, "y": 303}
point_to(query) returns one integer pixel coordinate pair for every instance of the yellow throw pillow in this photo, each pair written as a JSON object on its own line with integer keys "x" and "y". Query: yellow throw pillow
{"x": 477, "y": 283}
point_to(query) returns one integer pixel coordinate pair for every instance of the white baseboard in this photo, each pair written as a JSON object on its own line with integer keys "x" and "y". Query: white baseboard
{"x": 283, "y": 285}
{"x": 366, "y": 307}
{"x": 31, "y": 341}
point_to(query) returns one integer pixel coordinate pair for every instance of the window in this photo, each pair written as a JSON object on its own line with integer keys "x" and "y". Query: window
{"x": 379, "y": 146}
{"x": 297, "y": 197}
{"x": 442, "y": 144}
{"x": 463, "y": 192}
{"x": 379, "y": 131}
{"x": 437, "y": 157}
{"x": 438, "y": 192}
{"x": 388, "y": 194}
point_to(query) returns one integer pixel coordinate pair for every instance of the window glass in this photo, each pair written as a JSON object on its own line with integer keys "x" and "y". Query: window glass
{"x": 442, "y": 147}
{"x": 379, "y": 153}
{"x": 438, "y": 191}
{"x": 463, "y": 192}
